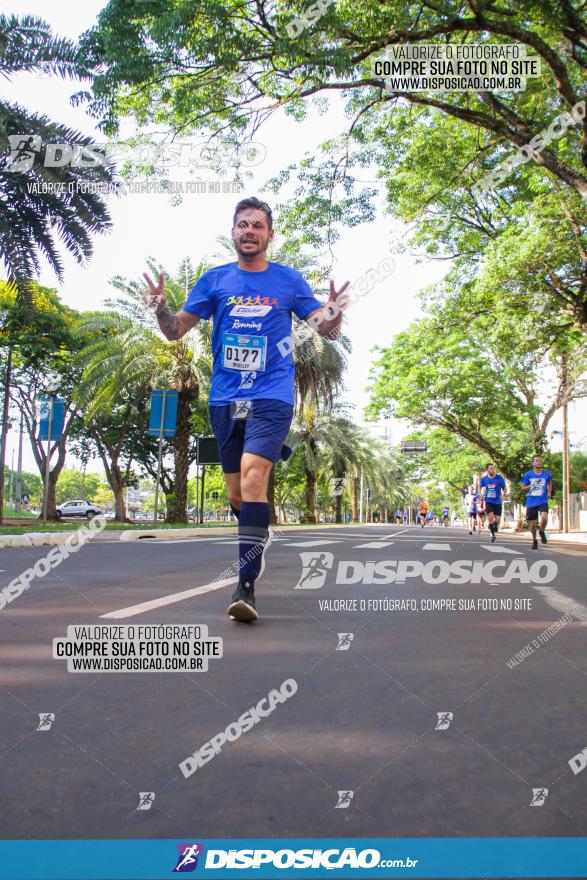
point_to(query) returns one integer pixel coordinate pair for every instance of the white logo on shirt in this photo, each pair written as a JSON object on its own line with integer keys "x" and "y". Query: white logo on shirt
{"x": 250, "y": 311}
{"x": 247, "y": 325}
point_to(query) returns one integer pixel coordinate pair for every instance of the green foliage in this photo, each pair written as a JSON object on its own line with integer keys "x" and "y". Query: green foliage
{"x": 32, "y": 485}
{"x": 44, "y": 208}
{"x": 73, "y": 485}
{"x": 479, "y": 377}
{"x": 445, "y": 471}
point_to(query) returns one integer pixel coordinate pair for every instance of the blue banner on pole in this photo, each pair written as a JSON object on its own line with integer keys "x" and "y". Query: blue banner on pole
{"x": 307, "y": 859}
{"x": 57, "y": 414}
{"x": 170, "y": 419}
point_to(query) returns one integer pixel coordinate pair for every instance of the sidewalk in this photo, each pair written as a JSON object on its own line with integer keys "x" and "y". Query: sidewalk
{"x": 554, "y": 537}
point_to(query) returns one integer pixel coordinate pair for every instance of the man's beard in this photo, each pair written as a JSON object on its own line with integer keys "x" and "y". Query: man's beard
{"x": 260, "y": 248}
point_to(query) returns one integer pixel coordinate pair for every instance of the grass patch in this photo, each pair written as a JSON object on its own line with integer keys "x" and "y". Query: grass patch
{"x": 37, "y": 526}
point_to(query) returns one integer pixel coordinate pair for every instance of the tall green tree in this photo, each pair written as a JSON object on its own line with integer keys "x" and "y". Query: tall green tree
{"x": 114, "y": 436}
{"x": 128, "y": 352}
{"x": 74, "y": 484}
{"x": 40, "y": 339}
{"x": 251, "y": 61}
{"x": 485, "y": 382}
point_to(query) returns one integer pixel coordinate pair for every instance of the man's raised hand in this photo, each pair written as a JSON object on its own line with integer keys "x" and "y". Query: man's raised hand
{"x": 154, "y": 297}
{"x": 334, "y": 294}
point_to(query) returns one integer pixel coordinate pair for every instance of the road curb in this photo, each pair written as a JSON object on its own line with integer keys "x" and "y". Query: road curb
{"x": 158, "y": 534}
{"x": 40, "y": 539}
{"x": 15, "y": 541}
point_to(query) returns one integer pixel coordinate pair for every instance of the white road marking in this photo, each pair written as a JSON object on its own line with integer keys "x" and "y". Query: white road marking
{"x": 560, "y": 602}
{"x": 313, "y": 543}
{"x": 373, "y": 544}
{"x": 495, "y": 548}
{"x": 154, "y": 541}
{"x": 436, "y": 547}
{"x": 143, "y": 607}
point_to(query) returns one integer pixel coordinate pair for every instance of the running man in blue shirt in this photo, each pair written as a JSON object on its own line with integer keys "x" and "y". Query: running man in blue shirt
{"x": 445, "y": 512}
{"x": 537, "y": 484}
{"x": 494, "y": 491}
{"x": 471, "y": 504}
{"x": 252, "y": 391}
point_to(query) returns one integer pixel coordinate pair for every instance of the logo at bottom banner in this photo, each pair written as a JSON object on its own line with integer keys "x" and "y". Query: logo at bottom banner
{"x": 231, "y": 859}
{"x": 187, "y": 859}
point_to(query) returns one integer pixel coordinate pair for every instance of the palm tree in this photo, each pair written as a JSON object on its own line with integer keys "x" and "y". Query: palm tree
{"x": 382, "y": 471}
{"x": 329, "y": 440}
{"x": 32, "y": 221}
{"x": 385, "y": 475}
{"x": 129, "y": 353}
{"x": 71, "y": 209}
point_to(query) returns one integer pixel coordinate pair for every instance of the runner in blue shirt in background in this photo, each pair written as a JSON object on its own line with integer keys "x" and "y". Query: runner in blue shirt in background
{"x": 471, "y": 503}
{"x": 252, "y": 391}
{"x": 493, "y": 489}
{"x": 445, "y": 512}
{"x": 537, "y": 484}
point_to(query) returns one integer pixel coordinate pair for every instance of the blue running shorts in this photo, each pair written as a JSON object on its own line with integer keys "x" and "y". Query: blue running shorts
{"x": 256, "y": 426}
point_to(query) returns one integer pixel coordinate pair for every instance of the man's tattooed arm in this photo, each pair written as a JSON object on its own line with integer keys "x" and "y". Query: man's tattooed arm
{"x": 175, "y": 326}
{"x": 169, "y": 323}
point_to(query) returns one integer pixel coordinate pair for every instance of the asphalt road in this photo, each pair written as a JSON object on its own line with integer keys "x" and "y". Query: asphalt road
{"x": 364, "y": 718}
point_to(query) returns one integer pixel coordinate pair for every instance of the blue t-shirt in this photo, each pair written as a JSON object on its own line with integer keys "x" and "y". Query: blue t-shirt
{"x": 251, "y": 339}
{"x": 445, "y": 511}
{"x": 538, "y": 494}
{"x": 494, "y": 486}
{"x": 471, "y": 500}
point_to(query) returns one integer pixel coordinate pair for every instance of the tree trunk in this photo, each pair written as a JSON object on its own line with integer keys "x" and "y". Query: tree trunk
{"x": 117, "y": 486}
{"x": 271, "y": 497}
{"x": 177, "y": 503}
{"x": 309, "y": 513}
{"x": 53, "y": 477}
{"x": 117, "y": 482}
{"x": 51, "y": 495}
{"x": 355, "y": 498}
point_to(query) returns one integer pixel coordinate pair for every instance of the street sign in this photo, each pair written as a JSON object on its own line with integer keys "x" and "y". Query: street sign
{"x": 414, "y": 446}
{"x": 162, "y": 424}
{"x": 163, "y": 403}
{"x": 51, "y": 416}
{"x": 214, "y": 496}
{"x": 337, "y": 486}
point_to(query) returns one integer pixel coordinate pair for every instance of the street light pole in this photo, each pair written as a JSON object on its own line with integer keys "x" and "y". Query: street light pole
{"x": 48, "y": 460}
{"x": 566, "y": 470}
{"x": 159, "y": 458}
{"x": 19, "y": 467}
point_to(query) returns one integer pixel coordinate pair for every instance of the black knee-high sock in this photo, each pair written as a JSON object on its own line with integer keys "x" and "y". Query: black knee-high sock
{"x": 253, "y": 528}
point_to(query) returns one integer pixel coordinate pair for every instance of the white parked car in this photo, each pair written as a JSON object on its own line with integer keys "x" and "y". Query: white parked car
{"x": 78, "y": 508}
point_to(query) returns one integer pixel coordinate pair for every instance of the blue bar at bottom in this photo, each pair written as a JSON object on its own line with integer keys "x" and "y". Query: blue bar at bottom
{"x": 481, "y": 857}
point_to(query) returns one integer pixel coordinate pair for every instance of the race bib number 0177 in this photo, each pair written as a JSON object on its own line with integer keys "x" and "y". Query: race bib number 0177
{"x": 243, "y": 352}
